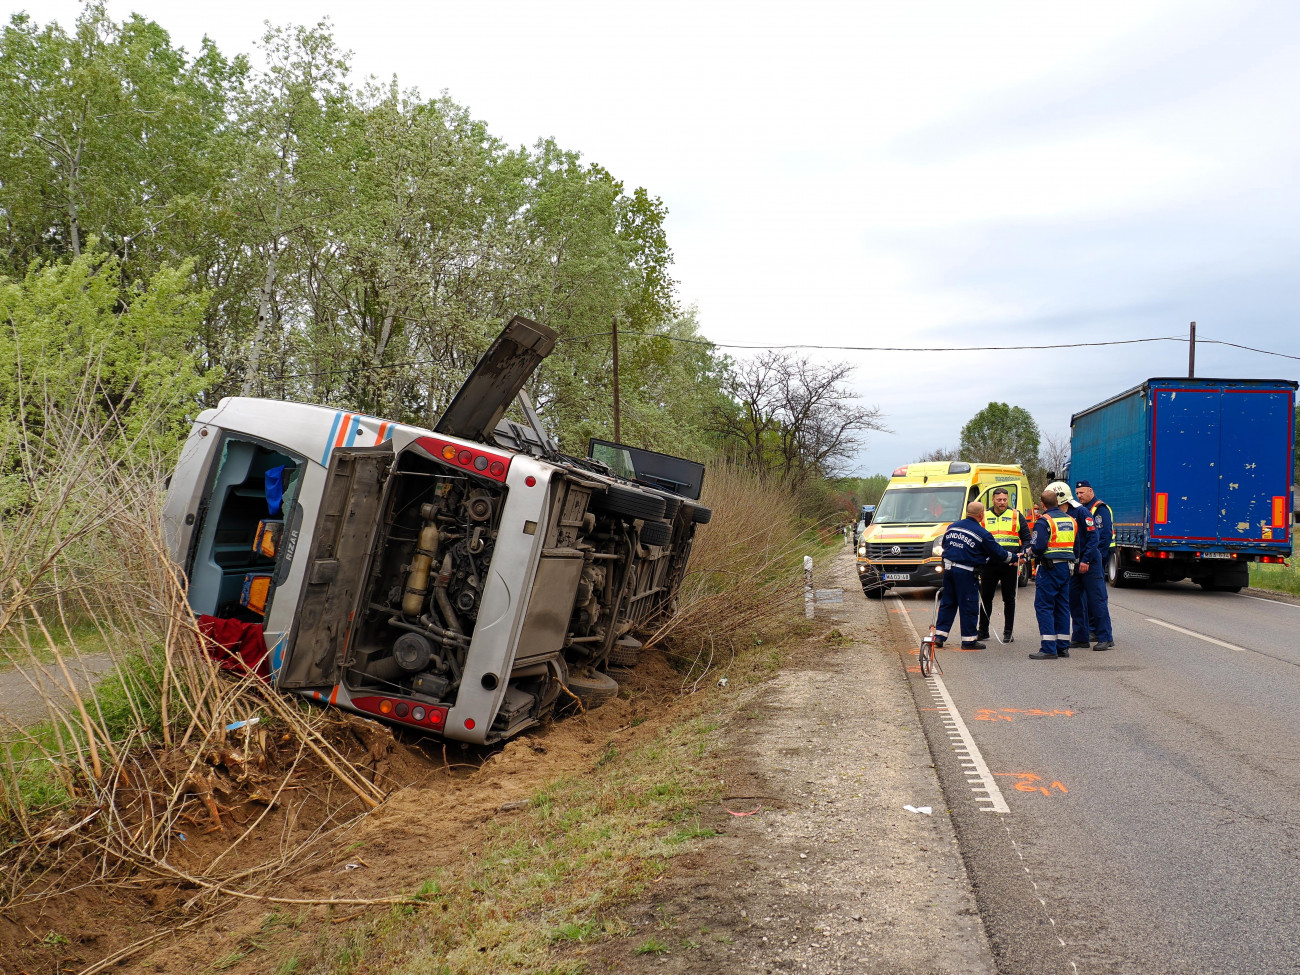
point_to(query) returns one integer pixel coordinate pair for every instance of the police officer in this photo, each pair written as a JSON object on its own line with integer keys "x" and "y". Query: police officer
{"x": 1089, "y": 601}
{"x": 1010, "y": 531}
{"x": 1087, "y": 558}
{"x": 1053, "y": 547}
{"x": 967, "y": 545}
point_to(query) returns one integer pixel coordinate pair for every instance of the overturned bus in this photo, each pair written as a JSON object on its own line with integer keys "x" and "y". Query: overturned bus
{"x": 459, "y": 580}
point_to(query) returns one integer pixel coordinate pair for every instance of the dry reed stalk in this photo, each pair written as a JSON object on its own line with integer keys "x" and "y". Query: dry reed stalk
{"x": 90, "y": 546}
{"x": 96, "y": 766}
{"x": 745, "y": 575}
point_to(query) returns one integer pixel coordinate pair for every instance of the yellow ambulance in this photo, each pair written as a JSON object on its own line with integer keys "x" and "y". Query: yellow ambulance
{"x": 901, "y": 545}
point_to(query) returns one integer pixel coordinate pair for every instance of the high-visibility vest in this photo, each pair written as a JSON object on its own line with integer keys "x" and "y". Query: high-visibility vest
{"x": 1005, "y": 528}
{"x": 1060, "y": 544}
{"x": 1093, "y": 511}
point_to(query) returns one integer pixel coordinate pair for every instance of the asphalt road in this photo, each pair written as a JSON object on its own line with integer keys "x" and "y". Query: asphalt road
{"x": 1151, "y": 790}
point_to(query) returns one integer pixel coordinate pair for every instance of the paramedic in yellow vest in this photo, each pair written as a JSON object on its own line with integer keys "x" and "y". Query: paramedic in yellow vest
{"x": 1010, "y": 530}
{"x": 1053, "y": 546}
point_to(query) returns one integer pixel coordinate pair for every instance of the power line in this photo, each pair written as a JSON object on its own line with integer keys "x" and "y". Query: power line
{"x": 892, "y": 348}
{"x": 1280, "y": 355}
{"x": 354, "y": 370}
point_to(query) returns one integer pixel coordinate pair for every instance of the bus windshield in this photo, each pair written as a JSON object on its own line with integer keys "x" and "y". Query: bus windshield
{"x": 920, "y": 505}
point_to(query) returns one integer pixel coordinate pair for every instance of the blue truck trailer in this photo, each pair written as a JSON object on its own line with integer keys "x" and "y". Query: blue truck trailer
{"x": 1197, "y": 473}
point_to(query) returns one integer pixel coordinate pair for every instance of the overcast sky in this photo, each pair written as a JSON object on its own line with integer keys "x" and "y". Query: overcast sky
{"x": 907, "y": 173}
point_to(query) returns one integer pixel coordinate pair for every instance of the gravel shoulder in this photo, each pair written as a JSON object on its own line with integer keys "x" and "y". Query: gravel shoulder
{"x": 22, "y": 692}
{"x": 830, "y": 873}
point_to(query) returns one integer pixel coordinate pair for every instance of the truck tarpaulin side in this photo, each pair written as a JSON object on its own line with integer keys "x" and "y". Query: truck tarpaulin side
{"x": 1197, "y": 473}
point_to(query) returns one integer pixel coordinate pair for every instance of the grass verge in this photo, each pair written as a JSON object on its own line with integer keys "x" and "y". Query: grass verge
{"x": 551, "y": 877}
{"x": 1277, "y": 578}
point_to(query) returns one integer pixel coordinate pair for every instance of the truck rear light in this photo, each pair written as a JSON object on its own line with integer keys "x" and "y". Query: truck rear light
{"x": 402, "y": 709}
{"x": 471, "y": 458}
{"x": 385, "y": 707}
{"x": 469, "y": 723}
{"x": 417, "y": 714}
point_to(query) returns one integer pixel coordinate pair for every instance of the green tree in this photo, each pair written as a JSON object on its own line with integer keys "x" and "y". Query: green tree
{"x": 1001, "y": 434}
{"x": 291, "y": 176}
{"x": 104, "y": 132}
{"x": 76, "y": 331}
{"x": 357, "y": 247}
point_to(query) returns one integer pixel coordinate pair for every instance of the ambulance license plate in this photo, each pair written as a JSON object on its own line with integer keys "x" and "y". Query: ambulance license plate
{"x": 897, "y": 576}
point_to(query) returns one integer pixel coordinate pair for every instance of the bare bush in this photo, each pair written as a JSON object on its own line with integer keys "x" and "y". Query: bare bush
{"x": 794, "y": 417}
{"x": 745, "y": 576}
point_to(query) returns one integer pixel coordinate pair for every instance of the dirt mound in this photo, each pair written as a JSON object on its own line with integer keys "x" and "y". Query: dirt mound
{"x": 289, "y": 836}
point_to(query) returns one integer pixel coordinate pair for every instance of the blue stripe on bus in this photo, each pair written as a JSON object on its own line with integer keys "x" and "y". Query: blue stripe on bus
{"x": 352, "y": 434}
{"x": 329, "y": 441}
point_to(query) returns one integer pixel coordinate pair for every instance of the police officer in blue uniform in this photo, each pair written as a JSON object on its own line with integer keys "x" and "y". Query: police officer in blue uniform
{"x": 1087, "y": 560}
{"x": 1089, "y": 601}
{"x": 967, "y": 545}
{"x": 1052, "y": 545}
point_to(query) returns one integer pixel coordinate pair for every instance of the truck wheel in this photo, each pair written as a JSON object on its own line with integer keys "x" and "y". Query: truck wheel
{"x": 593, "y": 691}
{"x": 656, "y": 533}
{"x": 1115, "y": 573}
{"x": 874, "y": 592}
{"x": 1024, "y": 575}
{"x": 629, "y": 502}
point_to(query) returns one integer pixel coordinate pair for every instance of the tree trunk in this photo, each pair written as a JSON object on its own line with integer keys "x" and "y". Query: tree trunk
{"x": 268, "y": 289}
{"x": 263, "y": 315}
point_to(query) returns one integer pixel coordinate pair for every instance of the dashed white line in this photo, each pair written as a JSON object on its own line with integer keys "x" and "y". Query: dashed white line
{"x": 959, "y": 732}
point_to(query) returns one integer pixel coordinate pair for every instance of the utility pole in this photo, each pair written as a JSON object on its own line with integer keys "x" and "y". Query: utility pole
{"x": 1191, "y": 358}
{"x": 617, "y": 437}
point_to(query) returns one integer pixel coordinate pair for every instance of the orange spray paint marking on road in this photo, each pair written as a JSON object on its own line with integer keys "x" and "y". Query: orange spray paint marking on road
{"x": 1004, "y": 714}
{"x": 1029, "y": 782}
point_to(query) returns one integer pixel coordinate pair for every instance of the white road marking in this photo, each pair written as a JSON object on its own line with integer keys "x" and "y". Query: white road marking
{"x": 1199, "y": 636}
{"x": 960, "y": 733}
{"x": 1265, "y": 599}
